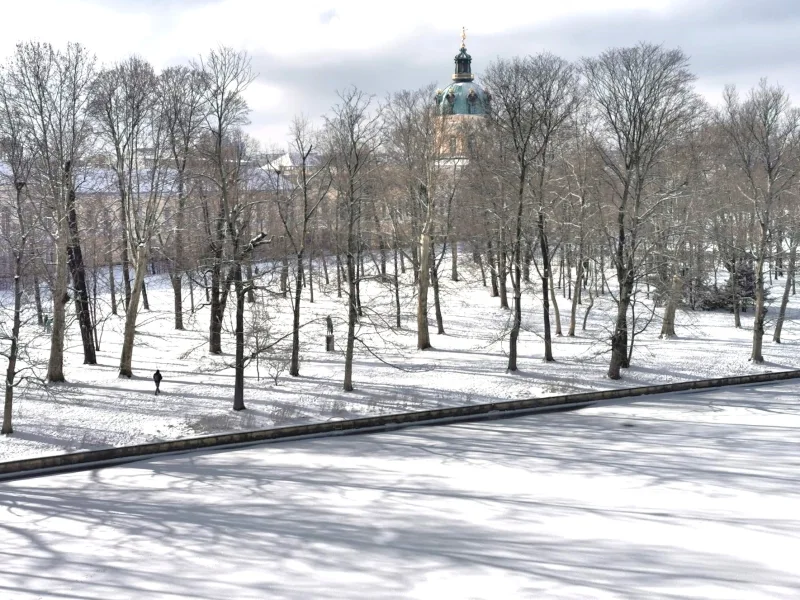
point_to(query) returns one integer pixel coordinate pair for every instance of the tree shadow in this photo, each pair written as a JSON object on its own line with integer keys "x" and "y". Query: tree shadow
{"x": 662, "y": 499}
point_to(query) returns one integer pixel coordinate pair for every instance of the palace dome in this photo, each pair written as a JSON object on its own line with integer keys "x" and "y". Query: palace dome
{"x": 463, "y": 96}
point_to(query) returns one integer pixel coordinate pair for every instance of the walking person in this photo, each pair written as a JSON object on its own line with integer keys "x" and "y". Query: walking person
{"x": 157, "y": 378}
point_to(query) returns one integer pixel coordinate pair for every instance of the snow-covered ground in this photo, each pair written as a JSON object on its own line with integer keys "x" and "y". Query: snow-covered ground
{"x": 681, "y": 496}
{"x": 97, "y": 409}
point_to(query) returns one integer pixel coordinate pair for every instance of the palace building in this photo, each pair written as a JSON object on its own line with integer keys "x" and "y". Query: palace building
{"x": 462, "y": 106}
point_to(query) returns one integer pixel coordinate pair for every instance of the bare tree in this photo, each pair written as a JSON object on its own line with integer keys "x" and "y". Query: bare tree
{"x": 644, "y": 99}
{"x": 19, "y": 158}
{"x": 533, "y": 98}
{"x": 794, "y": 240}
{"x": 182, "y": 96}
{"x": 239, "y": 215}
{"x": 677, "y": 227}
{"x": 126, "y": 108}
{"x": 416, "y": 142}
{"x": 52, "y": 92}
{"x": 764, "y": 129}
{"x": 151, "y": 185}
{"x": 310, "y": 188}
{"x": 580, "y": 168}
{"x": 121, "y": 97}
{"x": 226, "y": 75}
{"x": 353, "y": 137}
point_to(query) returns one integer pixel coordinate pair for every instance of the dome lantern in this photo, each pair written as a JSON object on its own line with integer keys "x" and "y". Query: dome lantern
{"x": 463, "y": 96}
{"x": 463, "y": 61}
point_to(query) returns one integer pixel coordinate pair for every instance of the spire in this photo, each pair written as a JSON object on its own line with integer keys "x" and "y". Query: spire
{"x": 463, "y": 61}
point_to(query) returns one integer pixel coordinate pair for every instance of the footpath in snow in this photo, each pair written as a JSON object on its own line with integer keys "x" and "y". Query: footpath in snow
{"x": 689, "y": 495}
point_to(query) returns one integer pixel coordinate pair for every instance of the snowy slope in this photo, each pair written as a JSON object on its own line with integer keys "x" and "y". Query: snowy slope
{"x": 96, "y": 409}
{"x": 683, "y": 496}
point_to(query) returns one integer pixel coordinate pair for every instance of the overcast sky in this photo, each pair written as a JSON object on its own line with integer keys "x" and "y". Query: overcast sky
{"x": 304, "y": 51}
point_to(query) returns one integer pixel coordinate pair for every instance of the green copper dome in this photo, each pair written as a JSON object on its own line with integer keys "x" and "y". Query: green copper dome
{"x": 463, "y": 96}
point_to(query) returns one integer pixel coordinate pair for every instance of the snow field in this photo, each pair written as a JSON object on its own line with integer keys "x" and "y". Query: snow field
{"x": 96, "y": 409}
{"x": 678, "y": 496}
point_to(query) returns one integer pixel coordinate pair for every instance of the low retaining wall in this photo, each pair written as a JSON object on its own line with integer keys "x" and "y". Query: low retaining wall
{"x": 477, "y": 412}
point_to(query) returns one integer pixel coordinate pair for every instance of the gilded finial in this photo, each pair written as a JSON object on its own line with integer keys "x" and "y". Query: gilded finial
{"x": 463, "y": 37}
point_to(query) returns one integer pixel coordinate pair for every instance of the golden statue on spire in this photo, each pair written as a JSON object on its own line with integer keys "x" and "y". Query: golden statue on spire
{"x": 463, "y": 37}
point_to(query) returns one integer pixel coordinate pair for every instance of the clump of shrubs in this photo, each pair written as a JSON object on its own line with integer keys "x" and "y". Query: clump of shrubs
{"x": 722, "y": 297}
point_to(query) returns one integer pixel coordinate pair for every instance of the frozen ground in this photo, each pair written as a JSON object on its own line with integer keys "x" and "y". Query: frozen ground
{"x": 673, "y": 497}
{"x": 467, "y": 365}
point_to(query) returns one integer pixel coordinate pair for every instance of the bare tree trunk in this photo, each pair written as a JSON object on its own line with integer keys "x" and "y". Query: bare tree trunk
{"x": 112, "y": 287}
{"x": 619, "y": 340}
{"x": 217, "y": 308}
{"x": 126, "y": 359}
{"x": 251, "y": 294}
{"x": 145, "y": 301}
{"x": 576, "y": 295}
{"x": 55, "y": 365}
{"x": 423, "y": 335}
{"x": 437, "y": 306}
{"x": 381, "y": 243}
{"x": 668, "y": 324}
{"x": 352, "y": 315}
{"x": 238, "y": 388}
{"x": 13, "y": 351}
{"x": 786, "y": 289}
{"x": 454, "y": 256}
{"x": 176, "y": 274}
{"x": 588, "y": 308}
{"x": 516, "y": 277}
{"x": 737, "y": 301}
{"x": 191, "y": 293}
{"x": 477, "y": 258}
{"x": 360, "y": 273}
{"x": 546, "y": 278}
{"x": 502, "y": 273}
{"x": 603, "y": 282}
{"x": 177, "y": 297}
{"x": 78, "y": 270}
{"x": 95, "y": 339}
{"x": 359, "y": 309}
{"x": 492, "y": 269}
{"x": 554, "y": 300}
{"x": 338, "y": 276}
{"x": 37, "y": 297}
{"x": 285, "y": 275}
{"x": 526, "y": 265}
{"x": 124, "y": 258}
{"x": 311, "y": 274}
{"x": 397, "y": 289}
{"x": 294, "y": 368}
{"x": 758, "y": 317}
{"x": 517, "y": 322}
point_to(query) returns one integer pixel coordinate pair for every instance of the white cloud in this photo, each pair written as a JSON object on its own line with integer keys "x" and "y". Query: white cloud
{"x": 280, "y": 28}
{"x": 319, "y": 26}
{"x": 110, "y": 33}
{"x": 338, "y": 33}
